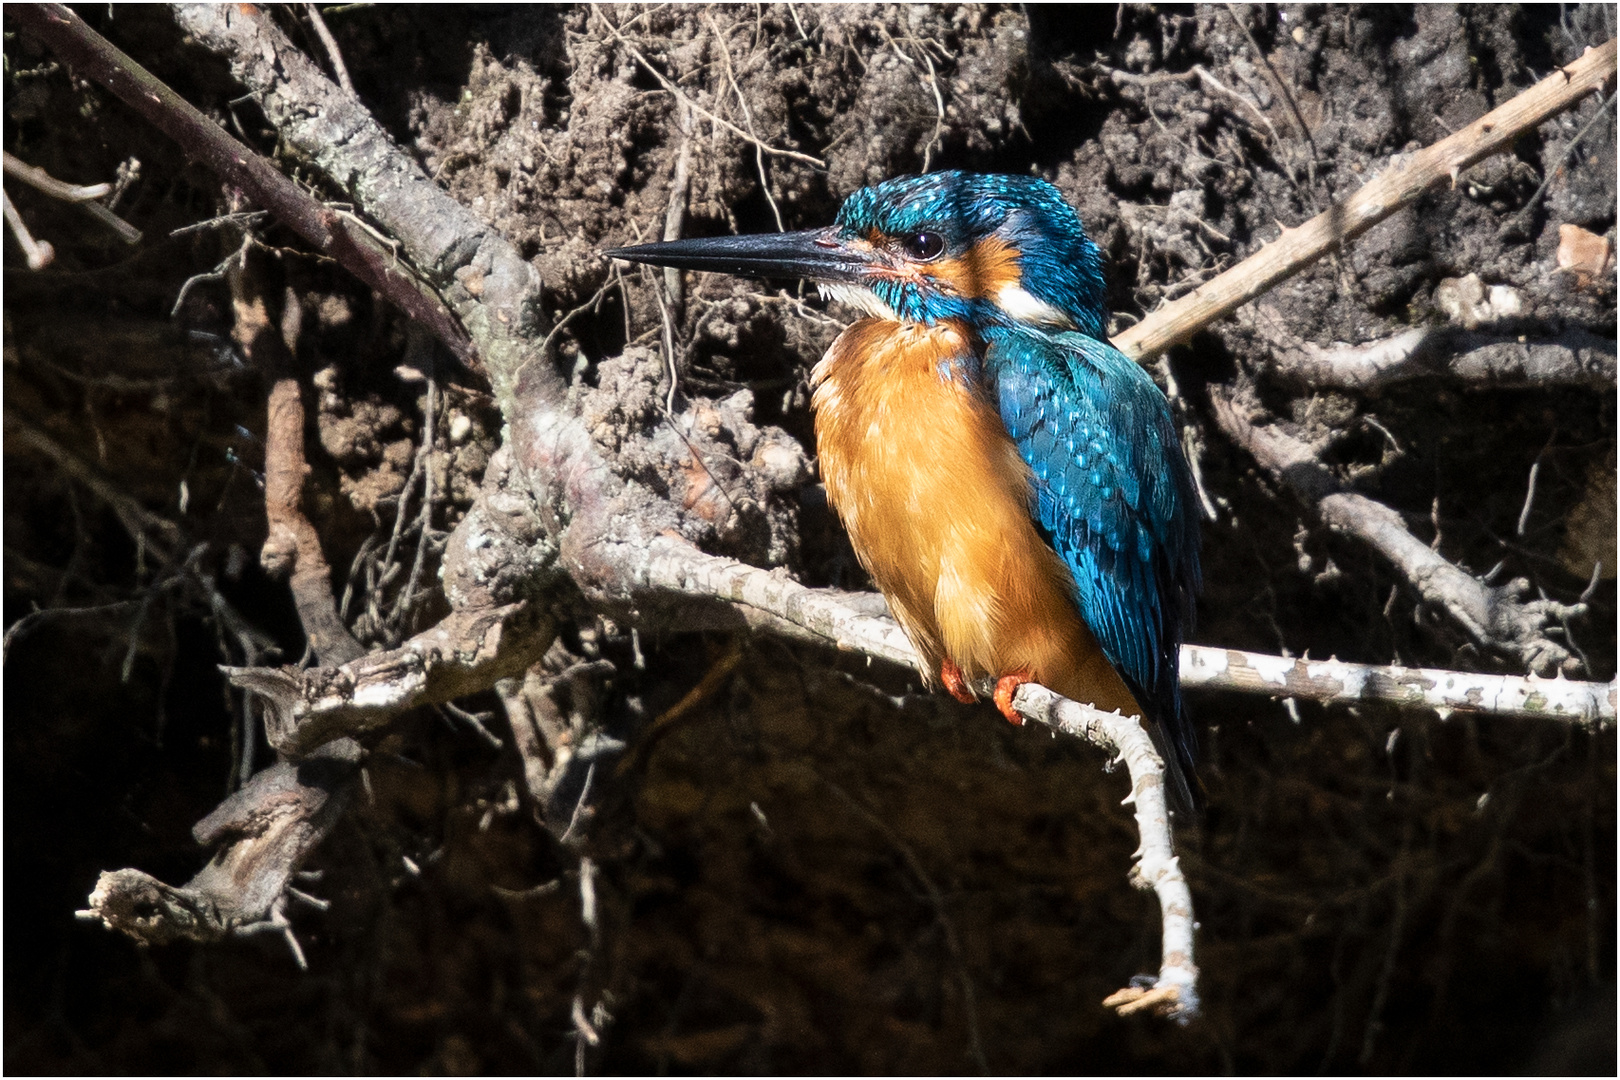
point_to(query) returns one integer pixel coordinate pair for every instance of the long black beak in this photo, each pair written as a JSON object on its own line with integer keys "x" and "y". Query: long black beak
{"x": 814, "y": 254}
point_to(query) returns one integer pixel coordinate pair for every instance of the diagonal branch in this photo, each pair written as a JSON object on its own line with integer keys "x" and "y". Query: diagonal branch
{"x": 1406, "y": 178}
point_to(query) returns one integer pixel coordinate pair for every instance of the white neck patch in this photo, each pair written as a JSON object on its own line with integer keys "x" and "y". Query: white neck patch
{"x": 1018, "y": 302}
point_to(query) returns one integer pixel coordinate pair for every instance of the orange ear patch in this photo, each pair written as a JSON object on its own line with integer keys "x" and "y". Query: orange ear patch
{"x": 981, "y": 273}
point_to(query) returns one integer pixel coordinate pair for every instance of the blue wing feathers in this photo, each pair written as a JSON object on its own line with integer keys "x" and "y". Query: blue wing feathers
{"x": 1114, "y": 498}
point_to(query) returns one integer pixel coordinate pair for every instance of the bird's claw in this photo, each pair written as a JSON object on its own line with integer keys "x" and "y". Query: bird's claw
{"x": 956, "y": 683}
{"x": 1006, "y": 687}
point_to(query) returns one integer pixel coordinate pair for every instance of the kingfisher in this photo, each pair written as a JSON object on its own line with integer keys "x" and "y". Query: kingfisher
{"x": 1013, "y": 484}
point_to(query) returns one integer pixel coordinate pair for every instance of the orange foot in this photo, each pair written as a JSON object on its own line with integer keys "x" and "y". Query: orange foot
{"x": 1006, "y": 687}
{"x": 956, "y": 683}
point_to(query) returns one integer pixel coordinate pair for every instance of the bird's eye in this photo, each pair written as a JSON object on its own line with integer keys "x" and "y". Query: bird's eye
{"x": 924, "y": 246}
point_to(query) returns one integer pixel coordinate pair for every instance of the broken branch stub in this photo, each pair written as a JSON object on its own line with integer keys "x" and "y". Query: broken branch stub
{"x": 267, "y": 829}
{"x": 465, "y": 653}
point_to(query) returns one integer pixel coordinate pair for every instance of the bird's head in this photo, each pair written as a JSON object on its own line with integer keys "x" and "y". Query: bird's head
{"x": 990, "y": 250}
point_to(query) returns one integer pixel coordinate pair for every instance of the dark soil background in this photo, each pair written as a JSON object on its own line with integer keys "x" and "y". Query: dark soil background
{"x": 818, "y": 869}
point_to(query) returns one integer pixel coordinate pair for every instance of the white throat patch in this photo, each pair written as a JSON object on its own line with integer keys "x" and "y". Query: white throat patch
{"x": 862, "y": 299}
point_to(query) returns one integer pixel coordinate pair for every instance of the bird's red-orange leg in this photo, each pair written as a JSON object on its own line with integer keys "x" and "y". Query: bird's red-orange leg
{"x": 1006, "y": 687}
{"x": 955, "y": 682}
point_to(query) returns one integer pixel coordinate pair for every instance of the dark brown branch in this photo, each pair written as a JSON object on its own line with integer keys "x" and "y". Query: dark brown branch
{"x": 1496, "y": 618}
{"x": 329, "y": 43}
{"x": 94, "y": 56}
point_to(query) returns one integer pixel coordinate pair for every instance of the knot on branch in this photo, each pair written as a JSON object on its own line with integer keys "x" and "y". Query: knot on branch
{"x": 279, "y": 554}
{"x": 1524, "y": 628}
{"x": 501, "y": 552}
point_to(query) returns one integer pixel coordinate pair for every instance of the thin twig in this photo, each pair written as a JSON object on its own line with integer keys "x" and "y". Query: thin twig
{"x": 1282, "y": 88}
{"x": 473, "y": 720}
{"x": 1530, "y": 488}
{"x": 425, "y": 515}
{"x": 242, "y": 219}
{"x": 706, "y": 688}
{"x": 748, "y": 118}
{"x": 680, "y": 183}
{"x": 550, "y": 340}
{"x": 329, "y": 43}
{"x": 38, "y": 178}
{"x": 233, "y": 260}
{"x": 1604, "y": 112}
{"x": 680, "y": 96}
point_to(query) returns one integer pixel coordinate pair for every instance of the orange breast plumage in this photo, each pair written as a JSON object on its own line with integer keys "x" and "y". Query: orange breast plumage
{"x": 936, "y": 500}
